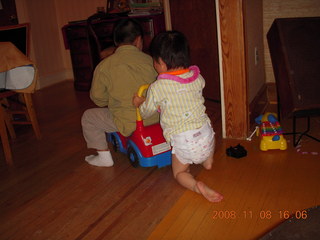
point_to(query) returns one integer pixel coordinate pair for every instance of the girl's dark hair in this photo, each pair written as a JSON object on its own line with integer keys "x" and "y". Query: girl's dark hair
{"x": 172, "y": 47}
{"x": 126, "y": 31}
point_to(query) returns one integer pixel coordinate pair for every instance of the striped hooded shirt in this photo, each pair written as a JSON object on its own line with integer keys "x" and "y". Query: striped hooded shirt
{"x": 179, "y": 100}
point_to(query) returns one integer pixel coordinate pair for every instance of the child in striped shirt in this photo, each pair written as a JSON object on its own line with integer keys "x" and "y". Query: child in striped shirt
{"x": 177, "y": 95}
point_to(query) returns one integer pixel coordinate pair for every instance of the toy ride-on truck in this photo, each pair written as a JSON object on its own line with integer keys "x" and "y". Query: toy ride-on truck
{"x": 270, "y": 132}
{"x": 146, "y": 147}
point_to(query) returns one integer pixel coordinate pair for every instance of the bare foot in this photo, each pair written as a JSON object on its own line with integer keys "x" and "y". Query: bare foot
{"x": 208, "y": 193}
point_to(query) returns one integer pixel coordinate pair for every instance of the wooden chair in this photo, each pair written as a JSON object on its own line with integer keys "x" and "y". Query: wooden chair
{"x": 18, "y": 101}
{"x": 8, "y": 119}
{"x": 4, "y": 122}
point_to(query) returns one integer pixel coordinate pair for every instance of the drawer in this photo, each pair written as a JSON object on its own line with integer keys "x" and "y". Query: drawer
{"x": 82, "y": 86}
{"x": 147, "y": 26}
{"x": 76, "y": 32}
{"x": 83, "y": 74}
{"x": 81, "y": 60}
{"x": 103, "y": 29}
{"x": 79, "y": 46}
{"x": 106, "y": 42}
{"x": 146, "y": 43}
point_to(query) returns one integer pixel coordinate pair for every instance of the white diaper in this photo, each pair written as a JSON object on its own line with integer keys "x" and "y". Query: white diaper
{"x": 194, "y": 146}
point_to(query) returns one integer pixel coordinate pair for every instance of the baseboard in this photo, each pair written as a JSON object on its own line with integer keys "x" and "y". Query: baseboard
{"x": 46, "y": 81}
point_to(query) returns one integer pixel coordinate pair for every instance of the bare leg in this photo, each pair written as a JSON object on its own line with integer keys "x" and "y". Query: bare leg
{"x": 208, "y": 163}
{"x": 183, "y": 176}
{"x": 181, "y": 173}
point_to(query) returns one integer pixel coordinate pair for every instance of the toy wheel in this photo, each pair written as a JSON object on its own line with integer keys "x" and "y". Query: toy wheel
{"x": 133, "y": 157}
{"x": 115, "y": 143}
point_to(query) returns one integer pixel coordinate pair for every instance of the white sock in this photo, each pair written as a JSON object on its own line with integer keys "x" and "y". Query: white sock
{"x": 103, "y": 159}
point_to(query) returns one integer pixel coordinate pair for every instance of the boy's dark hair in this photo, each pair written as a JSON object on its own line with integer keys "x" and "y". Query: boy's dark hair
{"x": 172, "y": 47}
{"x": 126, "y": 31}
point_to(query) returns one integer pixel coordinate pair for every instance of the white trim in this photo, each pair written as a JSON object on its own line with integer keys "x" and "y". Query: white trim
{"x": 167, "y": 14}
{"x": 223, "y": 114}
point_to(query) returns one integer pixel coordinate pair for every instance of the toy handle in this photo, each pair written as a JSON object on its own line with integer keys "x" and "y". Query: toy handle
{"x": 142, "y": 88}
{"x": 140, "y": 93}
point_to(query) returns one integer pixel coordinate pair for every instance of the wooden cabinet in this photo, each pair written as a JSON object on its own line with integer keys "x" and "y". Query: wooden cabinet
{"x": 84, "y": 55}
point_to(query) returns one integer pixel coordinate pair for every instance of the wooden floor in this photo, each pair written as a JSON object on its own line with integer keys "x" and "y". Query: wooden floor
{"x": 52, "y": 193}
{"x": 261, "y": 191}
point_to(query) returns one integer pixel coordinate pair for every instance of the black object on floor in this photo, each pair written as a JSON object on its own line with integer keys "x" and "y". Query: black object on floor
{"x": 237, "y": 151}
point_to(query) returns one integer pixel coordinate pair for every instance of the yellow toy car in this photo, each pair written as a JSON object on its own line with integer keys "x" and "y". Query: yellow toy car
{"x": 270, "y": 132}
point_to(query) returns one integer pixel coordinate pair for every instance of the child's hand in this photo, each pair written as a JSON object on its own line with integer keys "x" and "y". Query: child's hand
{"x": 137, "y": 101}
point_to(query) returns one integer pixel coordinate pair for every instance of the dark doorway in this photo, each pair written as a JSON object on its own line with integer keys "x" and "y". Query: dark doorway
{"x": 197, "y": 20}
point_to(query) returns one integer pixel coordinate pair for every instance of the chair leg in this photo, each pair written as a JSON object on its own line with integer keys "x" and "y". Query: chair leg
{"x": 10, "y": 128}
{"x": 301, "y": 134}
{"x": 32, "y": 114}
{"x": 8, "y": 119}
{"x": 4, "y": 138}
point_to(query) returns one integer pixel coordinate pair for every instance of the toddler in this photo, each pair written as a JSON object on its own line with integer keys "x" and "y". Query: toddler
{"x": 177, "y": 96}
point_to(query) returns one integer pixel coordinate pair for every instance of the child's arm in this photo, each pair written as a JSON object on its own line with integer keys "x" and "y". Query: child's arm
{"x": 145, "y": 104}
{"x": 137, "y": 101}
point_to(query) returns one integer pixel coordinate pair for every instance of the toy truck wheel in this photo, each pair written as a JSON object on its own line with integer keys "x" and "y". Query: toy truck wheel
{"x": 115, "y": 143}
{"x": 133, "y": 157}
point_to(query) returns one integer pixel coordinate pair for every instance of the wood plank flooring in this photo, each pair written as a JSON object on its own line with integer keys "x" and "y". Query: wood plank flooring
{"x": 52, "y": 193}
{"x": 260, "y": 190}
